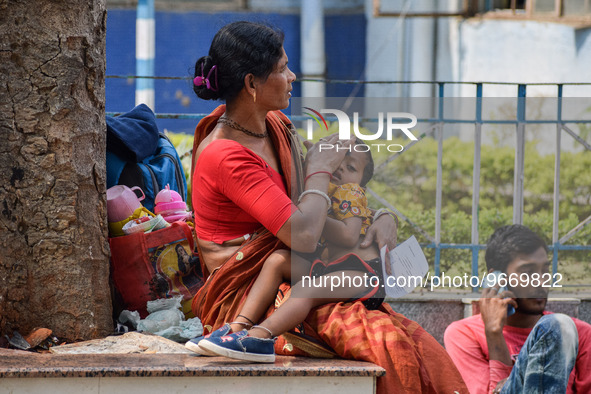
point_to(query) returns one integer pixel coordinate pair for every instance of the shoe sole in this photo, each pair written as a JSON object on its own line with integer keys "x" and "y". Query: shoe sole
{"x": 235, "y": 354}
{"x": 194, "y": 347}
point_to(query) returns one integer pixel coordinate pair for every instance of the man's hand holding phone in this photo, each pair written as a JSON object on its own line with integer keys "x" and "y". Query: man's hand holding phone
{"x": 496, "y": 303}
{"x": 494, "y": 307}
{"x": 493, "y": 280}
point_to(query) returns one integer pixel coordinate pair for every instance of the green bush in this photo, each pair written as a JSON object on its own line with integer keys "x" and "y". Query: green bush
{"x": 409, "y": 184}
{"x": 184, "y": 146}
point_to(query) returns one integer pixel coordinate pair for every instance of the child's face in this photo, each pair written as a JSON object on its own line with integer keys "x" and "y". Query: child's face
{"x": 351, "y": 168}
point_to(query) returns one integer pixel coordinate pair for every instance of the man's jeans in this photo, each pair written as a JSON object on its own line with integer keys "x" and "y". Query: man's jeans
{"x": 547, "y": 357}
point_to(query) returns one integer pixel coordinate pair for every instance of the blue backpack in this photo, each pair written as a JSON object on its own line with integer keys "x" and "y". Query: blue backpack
{"x": 138, "y": 155}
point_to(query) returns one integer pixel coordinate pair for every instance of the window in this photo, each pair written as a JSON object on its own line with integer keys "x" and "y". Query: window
{"x": 541, "y": 9}
{"x": 567, "y": 10}
{"x": 424, "y": 8}
{"x": 184, "y": 5}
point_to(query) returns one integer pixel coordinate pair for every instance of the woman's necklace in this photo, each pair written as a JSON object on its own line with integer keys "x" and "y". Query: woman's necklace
{"x": 236, "y": 126}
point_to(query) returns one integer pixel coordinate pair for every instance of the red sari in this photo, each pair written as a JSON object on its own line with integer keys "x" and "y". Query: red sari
{"x": 414, "y": 361}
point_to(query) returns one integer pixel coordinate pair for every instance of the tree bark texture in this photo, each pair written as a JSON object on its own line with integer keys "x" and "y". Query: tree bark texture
{"x": 54, "y": 267}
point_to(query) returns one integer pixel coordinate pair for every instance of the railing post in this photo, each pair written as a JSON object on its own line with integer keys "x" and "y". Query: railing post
{"x": 313, "y": 55}
{"x": 476, "y": 181}
{"x": 519, "y": 157}
{"x": 556, "y": 202}
{"x": 145, "y": 42}
{"x": 439, "y": 188}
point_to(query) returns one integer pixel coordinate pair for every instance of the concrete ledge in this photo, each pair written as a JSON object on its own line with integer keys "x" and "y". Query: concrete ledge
{"x": 435, "y": 311}
{"x": 434, "y": 315}
{"x": 568, "y": 306}
{"x": 19, "y": 364}
{"x": 151, "y": 373}
{"x": 190, "y": 385}
{"x": 585, "y": 310}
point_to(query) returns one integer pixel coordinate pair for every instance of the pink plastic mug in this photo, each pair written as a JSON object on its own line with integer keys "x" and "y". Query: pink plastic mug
{"x": 122, "y": 202}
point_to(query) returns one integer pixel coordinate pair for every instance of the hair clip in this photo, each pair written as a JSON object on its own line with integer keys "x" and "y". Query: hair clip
{"x": 198, "y": 81}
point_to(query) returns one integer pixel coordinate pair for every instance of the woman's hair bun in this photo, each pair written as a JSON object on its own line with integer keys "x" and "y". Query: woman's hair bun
{"x": 203, "y": 66}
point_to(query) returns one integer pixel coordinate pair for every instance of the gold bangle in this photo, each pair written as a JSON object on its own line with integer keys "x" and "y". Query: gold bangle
{"x": 384, "y": 211}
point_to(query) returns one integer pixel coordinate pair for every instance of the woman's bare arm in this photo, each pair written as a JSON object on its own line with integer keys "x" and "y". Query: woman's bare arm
{"x": 304, "y": 228}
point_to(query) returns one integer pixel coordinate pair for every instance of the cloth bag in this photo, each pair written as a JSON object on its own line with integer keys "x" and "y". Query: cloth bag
{"x": 159, "y": 264}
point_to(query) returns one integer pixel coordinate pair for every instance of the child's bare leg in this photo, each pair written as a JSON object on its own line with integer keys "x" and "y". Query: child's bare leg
{"x": 300, "y": 267}
{"x": 295, "y": 309}
{"x": 264, "y": 290}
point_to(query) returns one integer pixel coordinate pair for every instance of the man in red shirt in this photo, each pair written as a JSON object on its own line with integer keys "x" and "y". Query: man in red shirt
{"x": 530, "y": 351}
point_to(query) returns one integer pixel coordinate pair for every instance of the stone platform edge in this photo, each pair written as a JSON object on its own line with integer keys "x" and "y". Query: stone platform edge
{"x": 20, "y": 364}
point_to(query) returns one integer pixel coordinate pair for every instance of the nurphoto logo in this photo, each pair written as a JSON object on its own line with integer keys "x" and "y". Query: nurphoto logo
{"x": 394, "y": 121}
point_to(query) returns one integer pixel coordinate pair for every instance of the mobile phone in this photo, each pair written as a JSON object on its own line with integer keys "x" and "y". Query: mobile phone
{"x": 491, "y": 280}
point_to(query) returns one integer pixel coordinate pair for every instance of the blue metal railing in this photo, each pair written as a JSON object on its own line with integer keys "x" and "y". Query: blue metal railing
{"x": 558, "y": 244}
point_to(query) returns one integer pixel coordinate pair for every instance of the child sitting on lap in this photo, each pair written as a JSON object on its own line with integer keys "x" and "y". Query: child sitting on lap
{"x": 348, "y": 218}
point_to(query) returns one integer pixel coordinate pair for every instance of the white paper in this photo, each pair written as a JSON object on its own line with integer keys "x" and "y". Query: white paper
{"x": 408, "y": 267}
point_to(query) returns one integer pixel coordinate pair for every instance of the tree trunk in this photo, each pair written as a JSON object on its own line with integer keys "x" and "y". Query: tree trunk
{"x": 54, "y": 268}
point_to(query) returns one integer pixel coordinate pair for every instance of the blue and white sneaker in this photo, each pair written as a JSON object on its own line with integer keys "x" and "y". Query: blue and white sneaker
{"x": 193, "y": 344}
{"x": 240, "y": 346}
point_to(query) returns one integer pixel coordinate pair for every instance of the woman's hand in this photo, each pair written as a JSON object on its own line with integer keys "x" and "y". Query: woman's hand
{"x": 327, "y": 154}
{"x": 383, "y": 232}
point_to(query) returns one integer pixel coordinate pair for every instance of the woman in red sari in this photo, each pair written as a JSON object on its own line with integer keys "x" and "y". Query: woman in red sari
{"x": 247, "y": 163}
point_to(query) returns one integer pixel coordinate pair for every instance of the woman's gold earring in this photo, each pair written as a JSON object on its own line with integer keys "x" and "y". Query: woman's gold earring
{"x": 254, "y": 96}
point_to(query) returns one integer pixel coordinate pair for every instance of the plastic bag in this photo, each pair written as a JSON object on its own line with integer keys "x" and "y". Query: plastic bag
{"x": 165, "y": 319}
